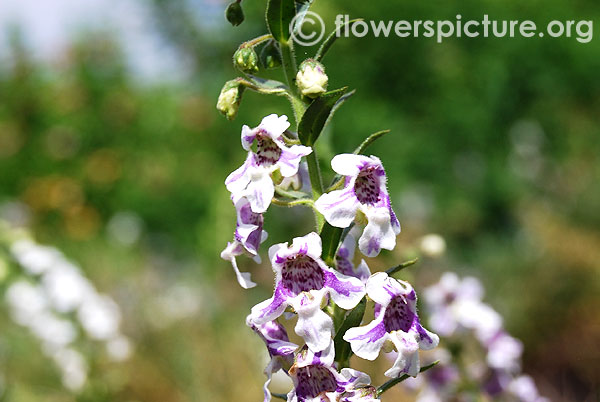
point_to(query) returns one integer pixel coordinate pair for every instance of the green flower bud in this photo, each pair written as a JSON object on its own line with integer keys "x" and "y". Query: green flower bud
{"x": 270, "y": 56}
{"x": 230, "y": 98}
{"x": 245, "y": 59}
{"x": 311, "y": 79}
{"x": 234, "y": 13}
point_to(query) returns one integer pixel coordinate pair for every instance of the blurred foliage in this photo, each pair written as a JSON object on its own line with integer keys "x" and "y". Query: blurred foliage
{"x": 494, "y": 145}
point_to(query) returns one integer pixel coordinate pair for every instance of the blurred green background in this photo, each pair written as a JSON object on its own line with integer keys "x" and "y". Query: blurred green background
{"x": 495, "y": 145}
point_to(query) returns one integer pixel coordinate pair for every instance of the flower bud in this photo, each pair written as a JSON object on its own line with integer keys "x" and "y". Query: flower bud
{"x": 245, "y": 59}
{"x": 311, "y": 79}
{"x": 230, "y": 98}
{"x": 234, "y": 13}
{"x": 270, "y": 56}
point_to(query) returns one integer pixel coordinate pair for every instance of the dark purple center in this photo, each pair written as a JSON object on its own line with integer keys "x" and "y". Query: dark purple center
{"x": 267, "y": 152}
{"x": 398, "y": 315}
{"x": 314, "y": 380}
{"x": 366, "y": 186}
{"x": 300, "y": 274}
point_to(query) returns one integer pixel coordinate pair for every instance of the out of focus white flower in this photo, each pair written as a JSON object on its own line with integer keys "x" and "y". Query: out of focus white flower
{"x": 523, "y": 387}
{"x": 26, "y": 301}
{"x": 53, "y": 331}
{"x": 35, "y": 259}
{"x": 100, "y": 317}
{"x": 432, "y": 245}
{"x": 73, "y": 367}
{"x": 504, "y": 352}
{"x": 119, "y": 348}
{"x": 67, "y": 288}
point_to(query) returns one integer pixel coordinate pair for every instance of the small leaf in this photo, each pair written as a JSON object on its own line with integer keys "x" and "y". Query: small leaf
{"x": 400, "y": 267}
{"x": 316, "y": 116}
{"x": 369, "y": 140}
{"x": 343, "y": 351}
{"x": 268, "y": 85}
{"x": 326, "y": 45}
{"x": 398, "y": 380}
{"x": 280, "y": 14}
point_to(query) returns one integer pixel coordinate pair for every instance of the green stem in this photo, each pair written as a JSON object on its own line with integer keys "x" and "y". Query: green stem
{"x": 398, "y": 380}
{"x": 316, "y": 184}
{"x": 257, "y": 41}
{"x": 281, "y": 203}
{"x": 288, "y": 59}
{"x": 280, "y": 396}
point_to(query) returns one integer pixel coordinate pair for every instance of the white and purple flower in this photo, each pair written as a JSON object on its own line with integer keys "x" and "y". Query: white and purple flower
{"x": 345, "y": 255}
{"x": 302, "y": 281}
{"x": 253, "y": 179}
{"x": 248, "y": 236}
{"x": 316, "y": 380}
{"x": 396, "y": 320}
{"x": 365, "y": 190}
{"x": 281, "y": 350}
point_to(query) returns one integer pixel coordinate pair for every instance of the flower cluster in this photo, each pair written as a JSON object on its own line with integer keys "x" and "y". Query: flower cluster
{"x": 50, "y": 289}
{"x": 457, "y": 312}
{"x": 318, "y": 288}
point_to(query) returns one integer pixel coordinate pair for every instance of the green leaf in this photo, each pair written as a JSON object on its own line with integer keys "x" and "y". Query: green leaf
{"x": 316, "y": 116}
{"x": 353, "y": 319}
{"x": 326, "y": 45}
{"x": 369, "y": 140}
{"x": 400, "y": 267}
{"x": 280, "y": 14}
{"x": 268, "y": 85}
{"x": 330, "y": 236}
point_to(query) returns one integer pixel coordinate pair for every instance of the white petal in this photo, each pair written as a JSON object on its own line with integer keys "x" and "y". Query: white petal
{"x": 237, "y": 181}
{"x": 350, "y": 164}
{"x": 378, "y": 233}
{"x": 229, "y": 254}
{"x": 407, "y": 360}
{"x": 248, "y": 136}
{"x": 359, "y": 379}
{"x": 260, "y": 190}
{"x": 338, "y": 207}
{"x": 346, "y": 291}
{"x": 289, "y": 160}
{"x": 314, "y": 326}
{"x": 366, "y": 342}
{"x": 309, "y": 244}
{"x": 362, "y": 271}
{"x": 274, "y": 125}
{"x": 269, "y": 309}
{"x": 380, "y": 289}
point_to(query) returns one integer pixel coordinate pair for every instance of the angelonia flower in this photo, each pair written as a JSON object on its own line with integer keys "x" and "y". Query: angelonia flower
{"x": 316, "y": 380}
{"x": 365, "y": 191}
{"x": 345, "y": 255}
{"x": 311, "y": 78}
{"x": 229, "y": 99}
{"x": 302, "y": 281}
{"x": 396, "y": 320}
{"x": 253, "y": 179}
{"x": 281, "y": 350}
{"x": 248, "y": 236}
